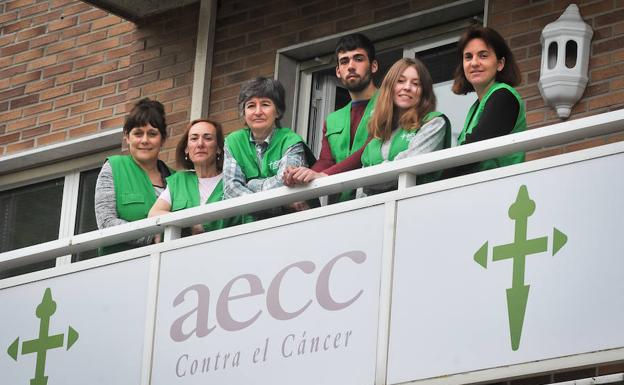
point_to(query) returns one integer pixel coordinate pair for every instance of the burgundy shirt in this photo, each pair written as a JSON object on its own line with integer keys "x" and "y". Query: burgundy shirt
{"x": 326, "y": 163}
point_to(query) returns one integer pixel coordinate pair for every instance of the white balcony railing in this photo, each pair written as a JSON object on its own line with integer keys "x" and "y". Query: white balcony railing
{"x": 489, "y": 276}
{"x": 404, "y": 170}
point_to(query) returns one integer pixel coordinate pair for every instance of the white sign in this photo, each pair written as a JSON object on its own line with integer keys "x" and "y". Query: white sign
{"x": 81, "y": 328}
{"x": 552, "y": 265}
{"x": 295, "y": 304}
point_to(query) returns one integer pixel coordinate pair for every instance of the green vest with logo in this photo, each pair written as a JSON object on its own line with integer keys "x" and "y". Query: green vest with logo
{"x": 472, "y": 120}
{"x": 400, "y": 142}
{"x": 338, "y": 130}
{"x": 184, "y": 190}
{"x": 134, "y": 194}
{"x": 244, "y": 151}
{"x": 338, "y": 133}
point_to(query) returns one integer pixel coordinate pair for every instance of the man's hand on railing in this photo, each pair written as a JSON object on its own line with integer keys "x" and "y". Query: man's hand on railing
{"x": 197, "y": 229}
{"x": 300, "y": 175}
{"x": 298, "y": 206}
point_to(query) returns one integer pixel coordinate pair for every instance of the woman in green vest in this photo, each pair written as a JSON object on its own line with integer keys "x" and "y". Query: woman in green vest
{"x": 405, "y": 123}
{"x": 128, "y": 185}
{"x": 257, "y": 155}
{"x": 200, "y": 154}
{"x": 488, "y": 68}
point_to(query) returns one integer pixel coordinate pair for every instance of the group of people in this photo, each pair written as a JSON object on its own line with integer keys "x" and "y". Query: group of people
{"x": 397, "y": 121}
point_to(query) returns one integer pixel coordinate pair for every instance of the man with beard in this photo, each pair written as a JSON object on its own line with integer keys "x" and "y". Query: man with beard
{"x": 345, "y": 131}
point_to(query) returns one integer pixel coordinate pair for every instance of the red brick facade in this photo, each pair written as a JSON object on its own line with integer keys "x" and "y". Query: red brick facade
{"x": 249, "y": 34}
{"x": 521, "y": 23}
{"x": 68, "y": 69}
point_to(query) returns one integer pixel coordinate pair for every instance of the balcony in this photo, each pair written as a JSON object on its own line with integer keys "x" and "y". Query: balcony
{"x": 485, "y": 277}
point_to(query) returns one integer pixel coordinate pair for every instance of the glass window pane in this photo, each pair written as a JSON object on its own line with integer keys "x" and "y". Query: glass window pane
{"x": 85, "y": 214}
{"x": 385, "y": 60}
{"x": 440, "y": 61}
{"x": 321, "y": 107}
{"x": 30, "y": 215}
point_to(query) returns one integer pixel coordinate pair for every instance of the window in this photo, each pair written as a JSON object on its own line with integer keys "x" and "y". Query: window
{"x": 30, "y": 215}
{"x": 440, "y": 58}
{"x": 328, "y": 94}
{"x": 307, "y": 70}
{"x": 47, "y": 193}
{"x": 85, "y": 213}
{"x": 46, "y": 211}
{"x": 438, "y": 54}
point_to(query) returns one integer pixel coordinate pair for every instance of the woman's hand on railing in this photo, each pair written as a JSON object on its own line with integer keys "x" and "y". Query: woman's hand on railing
{"x": 300, "y": 175}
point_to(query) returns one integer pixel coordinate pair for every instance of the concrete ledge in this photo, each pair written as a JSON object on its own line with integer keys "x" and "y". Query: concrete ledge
{"x": 59, "y": 151}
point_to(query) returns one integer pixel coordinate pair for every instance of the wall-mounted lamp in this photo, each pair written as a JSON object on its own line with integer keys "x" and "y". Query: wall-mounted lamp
{"x": 565, "y": 60}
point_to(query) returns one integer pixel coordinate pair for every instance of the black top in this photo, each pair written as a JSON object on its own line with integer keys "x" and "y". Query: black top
{"x": 164, "y": 172}
{"x": 497, "y": 119}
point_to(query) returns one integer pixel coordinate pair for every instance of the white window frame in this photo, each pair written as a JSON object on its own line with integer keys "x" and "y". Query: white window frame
{"x": 45, "y": 168}
{"x": 424, "y": 45}
{"x": 295, "y": 64}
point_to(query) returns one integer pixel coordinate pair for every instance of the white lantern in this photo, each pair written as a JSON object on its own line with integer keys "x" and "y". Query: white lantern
{"x": 565, "y": 60}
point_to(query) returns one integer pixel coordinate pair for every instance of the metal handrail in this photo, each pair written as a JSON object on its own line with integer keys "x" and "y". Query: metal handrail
{"x": 555, "y": 134}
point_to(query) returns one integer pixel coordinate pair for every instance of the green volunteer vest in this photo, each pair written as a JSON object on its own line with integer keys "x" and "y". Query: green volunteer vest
{"x": 474, "y": 115}
{"x": 134, "y": 194}
{"x": 400, "y": 142}
{"x": 184, "y": 190}
{"x": 338, "y": 130}
{"x": 338, "y": 133}
{"x": 244, "y": 151}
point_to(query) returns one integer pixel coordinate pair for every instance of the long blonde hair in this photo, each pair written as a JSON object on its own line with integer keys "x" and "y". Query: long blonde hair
{"x": 380, "y": 125}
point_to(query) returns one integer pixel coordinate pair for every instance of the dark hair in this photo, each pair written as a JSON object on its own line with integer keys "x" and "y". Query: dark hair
{"x": 381, "y": 122}
{"x": 180, "y": 152}
{"x": 145, "y": 112}
{"x": 355, "y": 41}
{"x": 510, "y": 74}
{"x": 262, "y": 87}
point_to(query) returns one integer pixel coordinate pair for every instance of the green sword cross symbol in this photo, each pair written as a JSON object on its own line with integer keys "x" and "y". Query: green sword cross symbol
{"x": 45, "y": 342}
{"x": 517, "y": 251}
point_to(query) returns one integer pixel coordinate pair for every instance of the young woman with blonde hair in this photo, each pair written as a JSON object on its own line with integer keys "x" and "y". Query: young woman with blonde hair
{"x": 405, "y": 122}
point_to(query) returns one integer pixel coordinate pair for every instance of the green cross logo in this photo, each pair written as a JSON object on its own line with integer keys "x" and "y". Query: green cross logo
{"x": 517, "y": 251}
{"x": 45, "y": 342}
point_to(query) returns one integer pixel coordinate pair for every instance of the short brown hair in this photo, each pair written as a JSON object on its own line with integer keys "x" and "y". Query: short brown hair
{"x": 510, "y": 74}
{"x": 380, "y": 125}
{"x": 180, "y": 153}
{"x": 147, "y": 111}
{"x": 263, "y": 87}
{"x": 354, "y": 41}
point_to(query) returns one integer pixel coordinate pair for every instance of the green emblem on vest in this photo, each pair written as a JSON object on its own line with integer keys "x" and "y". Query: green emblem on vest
{"x": 274, "y": 165}
{"x": 45, "y": 341}
{"x": 517, "y": 251}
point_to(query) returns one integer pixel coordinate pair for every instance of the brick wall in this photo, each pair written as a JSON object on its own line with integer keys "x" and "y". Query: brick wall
{"x": 68, "y": 69}
{"x": 249, "y": 33}
{"x": 521, "y": 23}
